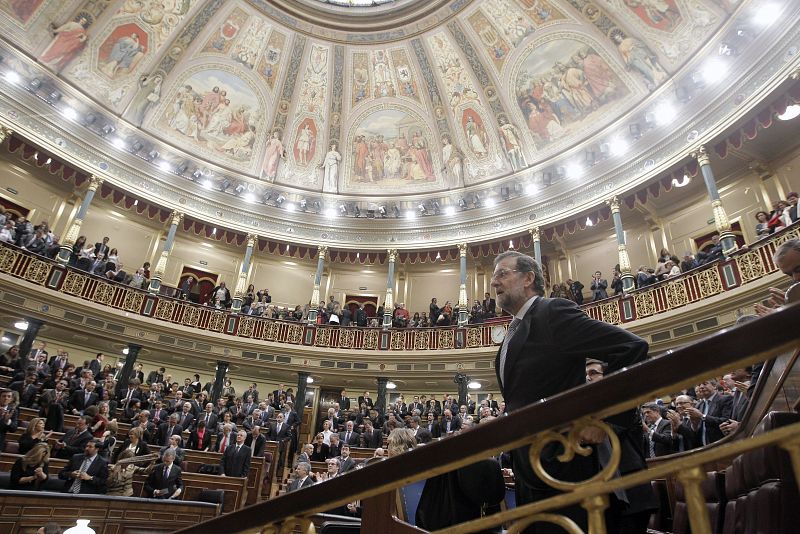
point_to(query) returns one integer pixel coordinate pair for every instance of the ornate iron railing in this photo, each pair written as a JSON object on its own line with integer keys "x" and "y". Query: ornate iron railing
{"x": 557, "y": 419}
{"x": 694, "y": 286}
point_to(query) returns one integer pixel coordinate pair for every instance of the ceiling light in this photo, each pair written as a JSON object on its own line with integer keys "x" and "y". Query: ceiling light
{"x": 290, "y": 206}
{"x": 309, "y": 380}
{"x": 35, "y": 83}
{"x": 69, "y": 113}
{"x": 489, "y": 202}
{"x": 239, "y": 189}
{"x": 391, "y": 385}
{"x": 13, "y": 77}
{"x": 125, "y": 351}
{"x": 225, "y": 184}
{"x": 682, "y": 183}
{"x": 618, "y": 146}
{"x": 289, "y": 262}
{"x": 118, "y": 143}
{"x": 589, "y": 221}
{"x": 49, "y": 160}
{"x": 356, "y": 211}
{"x": 767, "y": 14}
{"x": 208, "y": 184}
{"x": 303, "y": 204}
{"x": 573, "y": 170}
{"x": 531, "y": 189}
{"x": 382, "y": 211}
{"x": 342, "y": 209}
{"x": 330, "y": 213}
{"x": 153, "y": 155}
{"x": 714, "y": 70}
{"x": 213, "y": 231}
{"x": 450, "y": 210}
{"x": 108, "y": 129}
{"x": 249, "y": 197}
{"x": 164, "y": 166}
{"x": 21, "y": 325}
{"x": 396, "y": 212}
{"x": 410, "y": 214}
{"x": 790, "y": 113}
{"x": 474, "y": 385}
{"x": 182, "y": 168}
{"x": 197, "y": 174}
{"x": 665, "y": 113}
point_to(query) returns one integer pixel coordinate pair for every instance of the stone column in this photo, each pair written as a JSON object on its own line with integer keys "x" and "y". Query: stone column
{"x": 721, "y": 221}
{"x": 624, "y": 259}
{"x": 380, "y": 398}
{"x": 537, "y": 245}
{"x": 219, "y": 380}
{"x": 241, "y": 283}
{"x": 127, "y": 368}
{"x": 74, "y": 229}
{"x": 461, "y": 379}
{"x": 161, "y": 266}
{"x": 388, "y": 306}
{"x": 300, "y": 396}
{"x": 322, "y": 250}
{"x": 29, "y": 337}
{"x": 463, "y": 303}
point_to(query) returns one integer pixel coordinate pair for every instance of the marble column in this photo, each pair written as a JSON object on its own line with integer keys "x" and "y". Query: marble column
{"x": 721, "y": 221}
{"x": 241, "y": 282}
{"x": 536, "y": 236}
{"x": 219, "y": 380}
{"x": 161, "y": 265}
{"x": 300, "y": 396}
{"x": 463, "y": 303}
{"x": 29, "y": 337}
{"x": 74, "y": 228}
{"x": 388, "y": 305}
{"x": 380, "y": 398}
{"x": 624, "y": 260}
{"x": 322, "y": 250}
{"x": 127, "y": 368}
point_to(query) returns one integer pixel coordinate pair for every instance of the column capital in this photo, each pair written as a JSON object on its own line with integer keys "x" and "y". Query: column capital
{"x": 701, "y": 155}
{"x": 462, "y": 249}
{"x": 613, "y": 203}
{"x": 5, "y": 133}
{"x": 95, "y": 182}
{"x": 536, "y": 235}
{"x": 252, "y": 239}
{"x": 322, "y": 250}
{"x": 176, "y": 218}
{"x": 392, "y": 252}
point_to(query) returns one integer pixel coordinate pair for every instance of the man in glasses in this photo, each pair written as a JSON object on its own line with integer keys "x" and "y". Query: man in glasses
{"x": 544, "y": 353}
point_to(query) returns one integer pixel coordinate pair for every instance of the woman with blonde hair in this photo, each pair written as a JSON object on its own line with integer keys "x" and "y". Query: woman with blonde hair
{"x": 30, "y": 471}
{"x": 400, "y": 440}
{"x": 34, "y": 433}
{"x": 120, "y": 476}
{"x": 134, "y": 443}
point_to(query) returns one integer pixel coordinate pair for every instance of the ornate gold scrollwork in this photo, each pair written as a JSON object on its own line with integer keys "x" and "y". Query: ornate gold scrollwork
{"x": 103, "y": 293}
{"x": 7, "y": 259}
{"x": 371, "y": 339}
{"x": 270, "y": 331}
{"x": 562, "y": 521}
{"x": 346, "y": 338}
{"x": 37, "y": 272}
{"x": 473, "y": 337}
{"x": 709, "y": 282}
{"x": 216, "y": 321}
{"x": 750, "y": 266}
{"x": 164, "y": 309}
{"x": 133, "y": 301}
{"x": 191, "y": 315}
{"x": 645, "y": 303}
{"x": 323, "y": 338}
{"x": 676, "y": 294}
{"x": 398, "y": 340}
{"x": 294, "y": 334}
{"x": 74, "y": 283}
{"x": 422, "y": 339}
{"x": 246, "y": 325}
{"x": 447, "y": 339}
{"x": 572, "y": 446}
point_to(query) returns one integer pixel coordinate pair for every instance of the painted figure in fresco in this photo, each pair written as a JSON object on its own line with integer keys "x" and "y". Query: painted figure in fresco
{"x": 393, "y": 161}
{"x": 599, "y": 78}
{"x": 330, "y": 182}
{"x": 69, "y": 40}
{"x": 511, "y": 145}
{"x": 241, "y": 146}
{"x": 422, "y": 155}
{"x": 453, "y": 160}
{"x": 125, "y": 55}
{"x": 274, "y": 153}
{"x": 361, "y": 150}
{"x": 640, "y": 59}
{"x": 476, "y": 136}
{"x": 304, "y": 140}
{"x": 220, "y": 120}
{"x": 658, "y": 13}
{"x": 148, "y": 96}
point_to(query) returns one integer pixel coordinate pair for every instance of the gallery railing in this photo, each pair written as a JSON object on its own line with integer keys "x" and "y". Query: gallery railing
{"x": 558, "y": 419}
{"x": 694, "y": 286}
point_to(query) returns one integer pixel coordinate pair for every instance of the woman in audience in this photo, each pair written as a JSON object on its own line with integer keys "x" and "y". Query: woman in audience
{"x": 51, "y": 381}
{"x": 228, "y": 389}
{"x": 445, "y": 314}
{"x": 320, "y": 453}
{"x": 108, "y": 441}
{"x": 113, "y": 257}
{"x": 35, "y": 433}
{"x": 200, "y": 438}
{"x": 400, "y": 440}
{"x": 52, "y": 413}
{"x": 248, "y": 299}
{"x": 120, "y": 476}
{"x": 30, "y": 471}
{"x": 424, "y": 322}
{"x": 134, "y": 443}
{"x": 99, "y": 415}
{"x": 227, "y": 418}
{"x": 780, "y": 217}
{"x": 762, "y": 228}
{"x": 326, "y": 431}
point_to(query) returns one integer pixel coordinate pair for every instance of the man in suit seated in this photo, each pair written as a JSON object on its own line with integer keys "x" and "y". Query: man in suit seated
{"x": 235, "y": 462}
{"x": 335, "y": 448}
{"x": 185, "y": 417}
{"x": 75, "y": 440}
{"x": 370, "y": 438}
{"x": 346, "y": 463}
{"x": 174, "y": 445}
{"x": 349, "y": 436}
{"x": 165, "y": 480}
{"x": 421, "y": 434}
{"x": 211, "y": 419}
{"x": 83, "y": 398}
{"x": 657, "y": 438}
{"x": 87, "y": 472}
{"x": 168, "y": 429}
{"x": 256, "y": 441}
{"x": 432, "y": 426}
{"x": 225, "y": 438}
{"x": 449, "y": 424}
{"x": 301, "y": 478}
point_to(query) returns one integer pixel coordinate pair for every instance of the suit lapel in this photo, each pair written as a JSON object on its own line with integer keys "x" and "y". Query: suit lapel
{"x": 516, "y": 343}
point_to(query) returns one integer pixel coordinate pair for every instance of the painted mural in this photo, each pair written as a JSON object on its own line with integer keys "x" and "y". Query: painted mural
{"x": 563, "y": 85}
{"x": 496, "y": 47}
{"x": 541, "y": 11}
{"x": 269, "y": 65}
{"x": 382, "y": 74}
{"x": 314, "y": 88}
{"x": 459, "y": 88}
{"x": 110, "y": 60}
{"x": 222, "y": 40}
{"x": 22, "y": 10}
{"x": 512, "y": 22}
{"x": 215, "y": 111}
{"x": 391, "y": 149}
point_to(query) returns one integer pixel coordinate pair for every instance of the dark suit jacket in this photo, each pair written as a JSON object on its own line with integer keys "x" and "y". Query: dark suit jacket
{"x": 663, "y": 443}
{"x": 140, "y": 450}
{"x": 261, "y": 440}
{"x": 490, "y": 305}
{"x": 344, "y": 403}
{"x": 235, "y": 464}
{"x": 186, "y": 421}
{"x": 285, "y": 433}
{"x": 433, "y": 428}
{"x": 9, "y": 425}
{"x": 218, "y": 442}
{"x": 295, "y": 485}
{"x": 346, "y": 465}
{"x": 156, "y": 481}
{"x": 719, "y": 411}
{"x": 372, "y": 441}
{"x": 211, "y": 424}
{"x": 455, "y": 424}
{"x": 163, "y": 434}
{"x": 546, "y": 356}
{"x": 367, "y": 400}
{"x": 74, "y": 444}
{"x": 353, "y": 441}
{"x": 98, "y": 470}
{"x": 423, "y": 435}
{"x": 78, "y": 400}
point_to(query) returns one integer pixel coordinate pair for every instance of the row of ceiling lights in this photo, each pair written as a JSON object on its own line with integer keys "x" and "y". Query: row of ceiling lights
{"x": 662, "y": 113}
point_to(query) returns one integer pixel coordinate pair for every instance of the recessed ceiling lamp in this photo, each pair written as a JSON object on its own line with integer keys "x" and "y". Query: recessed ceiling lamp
{"x": 410, "y": 214}
{"x": 474, "y": 385}
{"x": 164, "y": 166}
{"x": 208, "y": 184}
{"x": 309, "y": 380}
{"x": 489, "y": 202}
{"x": 531, "y": 189}
{"x": 683, "y": 183}
{"x": 450, "y": 210}
{"x": 573, "y": 170}
{"x": 664, "y": 113}
{"x": 125, "y": 351}
{"x": 330, "y": 213}
{"x": 118, "y": 143}
{"x": 714, "y": 70}
{"x": 790, "y": 113}
{"x": 617, "y": 146}
{"x": 69, "y": 113}
{"x": 589, "y": 221}
{"x": 767, "y": 14}
{"x": 21, "y": 325}
{"x": 12, "y": 77}
{"x": 391, "y": 385}
{"x": 290, "y": 206}
{"x": 249, "y": 197}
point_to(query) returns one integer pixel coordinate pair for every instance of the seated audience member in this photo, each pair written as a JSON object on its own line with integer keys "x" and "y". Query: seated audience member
{"x": 321, "y": 449}
{"x": 134, "y": 443}
{"x": 400, "y": 440}
{"x": 167, "y": 430}
{"x": 644, "y": 277}
{"x": 30, "y": 471}
{"x": 370, "y": 438}
{"x": 9, "y": 416}
{"x": 256, "y": 440}
{"x": 331, "y": 472}
{"x": 87, "y": 472}
{"x": 305, "y": 454}
{"x": 74, "y": 441}
{"x": 34, "y": 433}
{"x": 657, "y": 432}
{"x": 200, "y": 438}
{"x": 377, "y": 456}
{"x": 301, "y": 477}
{"x": 225, "y": 438}
{"x": 421, "y": 434}
{"x": 174, "y": 446}
{"x": 165, "y": 481}
{"x": 334, "y": 449}
{"x": 235, "y": 461}
{"x": 346, "y": 463}
{"x": 120, "y": 475}
{"x": 448, "y": 424}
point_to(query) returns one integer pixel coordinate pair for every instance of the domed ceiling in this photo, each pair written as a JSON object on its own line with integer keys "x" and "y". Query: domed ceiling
{"x": 364, "y": 98}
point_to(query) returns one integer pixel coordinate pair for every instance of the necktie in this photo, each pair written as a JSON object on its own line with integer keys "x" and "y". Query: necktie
{"x": 651, "y": 442}
{"x": 511, "y": 329}
{"x": 238, "y": 448}
{"x": 223, "y": 445}
{"x": 347, "y": 437}
{"x": 704, "y": 406}
{"x": 208, "y": 418}
{"x": 76, "y": 485}
{"x": 166, "y": 473}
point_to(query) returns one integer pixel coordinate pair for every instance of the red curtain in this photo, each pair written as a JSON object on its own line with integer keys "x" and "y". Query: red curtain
{"x": 206, "y": 280}
{"x": 370, "y": 304}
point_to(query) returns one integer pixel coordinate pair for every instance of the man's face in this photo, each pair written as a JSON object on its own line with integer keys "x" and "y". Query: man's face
{"x": 209, "y": 408}
{"x": 703, "y": 390}
{"x": 279, "y": 418}
{"x": 334, "y": 439}
{"x": 509, "y": 285}
{"x": 430, "y": 416}
{"x": 5, "y": 398}
{"x": 349, "y": 426}
{"x": 90, "y": 449}
{"x": 90, "y": 386}
{"x": 80, "y": 425}
{"x": 179, "y": 395}
{"x": 240, "y": 437}
{"x": 333, "y": 466}
{"x": 651, "y": 416}
{"x": 789, "y": 264}
{"x": 173, "y": 441}
{"x": 168, "y": 459}
{"x": 682, "y": 403}
{"x": 60, "y": 386}
{"x": 187, "y": 382}
{"x": 448, "y": 415}
{"x": 594, "y": 372}
{"x": 186, "y": 407}
{"x": 300, "y": 471}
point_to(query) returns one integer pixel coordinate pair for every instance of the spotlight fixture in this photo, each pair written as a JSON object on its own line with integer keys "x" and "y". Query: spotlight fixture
{"x": 290, "y": 206}
{"x": 153, "y": 154}
{"x": 422, "y": 209}
{"x": 108, "y": 129}
{"x": 208, "y": 184}
{"x": 531, "y": 189}
{"x": 303, "y": 203}
{"x": 165, "y": 166}
{"x": 342, "y": 209}
{"x": 69, "y": 113}
{"x": 89, "y": 119}
{"x": 330, "y": 213}
{"x": 589, "y": 221}
{"x": 118, "y": 143}
{"x": 617, "y": 146}
{"x": 573, "y": 171}
{"x": 450, "y": 211}
{"x": 182, "y": 168}
{"x": 474, "y": 385}
{"x": 239, "y": 189}
{"x": 224, "y": 185}
{"x": 462, "y": 203}
{"x": 35, "y": 83}
{"x": 309, "y": 380}
{"x": 280, "y": 200}
{"x": 21, "y": 325}
{"x": 489, "y": 202}
{"x": 683, "y": 183}
{"x": 13, "y": 77}
{"x": 382, "y": 211}
{"x": 766, "y": 15}
{"x": 196, "y": 175}
{"x": 790, "y": 113}
{"x": 712, "y": 71}
{"x": 55, "y": 96}
{"x": 396, "y": 212}
{"x": 411, "y": 214}
{"x": 391, "y": 385}
{"x": 137, "y": 146}
{"x": 635, "y": 130}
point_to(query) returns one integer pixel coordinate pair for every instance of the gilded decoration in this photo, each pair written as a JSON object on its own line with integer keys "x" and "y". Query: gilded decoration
{"x": 610, "y": 313}
{"x": 7, "y": 258}
{"x": 370, "y": 339}
{"x": 294, "y": 334}
{"x": 323, "y": 338}
{"x": 473, "y": 338}
{"x": 447, "y": 339}
{"x": 398, "y": 340}
{"x": 190, "y": 315}
{"x": 133, "y": 301}
{"x": 37, "y": 271}
{"x": 246, "y": 326}
{"x": 750, "y": 266}
{"x": 164, "y": 309}
{"x": 422, "y": 339}
{"x": 676, "y": 294}
{"x": 645, "y": 303}
{"x": 216, "y": 321}
{"x": 270, "y": 331}
{"x": 103, "y": 293}
{"x": 347, "y": 338}
{"x": 709, "y": 282}
{"x": 74, "y": 283}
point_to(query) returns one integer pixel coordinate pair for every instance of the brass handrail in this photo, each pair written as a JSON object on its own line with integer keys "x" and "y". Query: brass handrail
{"x": 748, "y": 343}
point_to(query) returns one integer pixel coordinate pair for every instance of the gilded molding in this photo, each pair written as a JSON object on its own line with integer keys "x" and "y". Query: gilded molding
{"x": 701, "y": 155}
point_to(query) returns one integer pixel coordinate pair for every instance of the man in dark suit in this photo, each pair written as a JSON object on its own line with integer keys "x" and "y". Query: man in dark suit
{"x": 301, "y": 478}
{"x": 133, "y": 391}
{"x": 59, "y": 361}
{"x": 657, "y": 437}
{"x": 165, "y": 481}
{"x": 349, "y": 436}
{"x": 364, "y": 399}
{"x": 713, "y": 409}
{"x": 344, "y": 400}
{"x": 361, "y": 316}
{"x": 489, "y": 305}
{"x": 421, "y": 434}
{"x": 209, "y": 417}
{"x": 155, "y": 377}
{"x": 87, "y": 472}
{"x": 101, "y": 247}
{"x": 432, "y": 425}
{"x": 235, "y": 461}
{"x": 370, "y": 438}
{"x": 185, "y": 417}
{"x": 531, "y": 365}
{"x": 168, "y": 429}
{"x": 416, "y": 405}
{"x": 449, "y": 424}
{"x": 346, "y": 463}
{"x": 256, "y": 441}
{"x": 9, "y": 416}
{"x": 684, "y": 437}
{"x": 83, "y": 398}
{"x": 279, "y": 431}
{"x": 276, "y": 394}
{"x": 96, "y": 365}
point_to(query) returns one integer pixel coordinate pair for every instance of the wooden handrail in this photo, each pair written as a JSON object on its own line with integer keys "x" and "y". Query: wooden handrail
{"x": 752, "y": 342}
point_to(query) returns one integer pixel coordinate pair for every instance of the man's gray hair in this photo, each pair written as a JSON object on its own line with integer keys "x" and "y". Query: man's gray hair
{"x": 168, "y": 452}
{"x": 783, "y": 250}
{"x": 525, "y": 264}
{"x": 305, "y": 465}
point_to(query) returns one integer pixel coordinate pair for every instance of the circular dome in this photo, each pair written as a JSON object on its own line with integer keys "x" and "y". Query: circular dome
{"x": 301, "y": 111}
